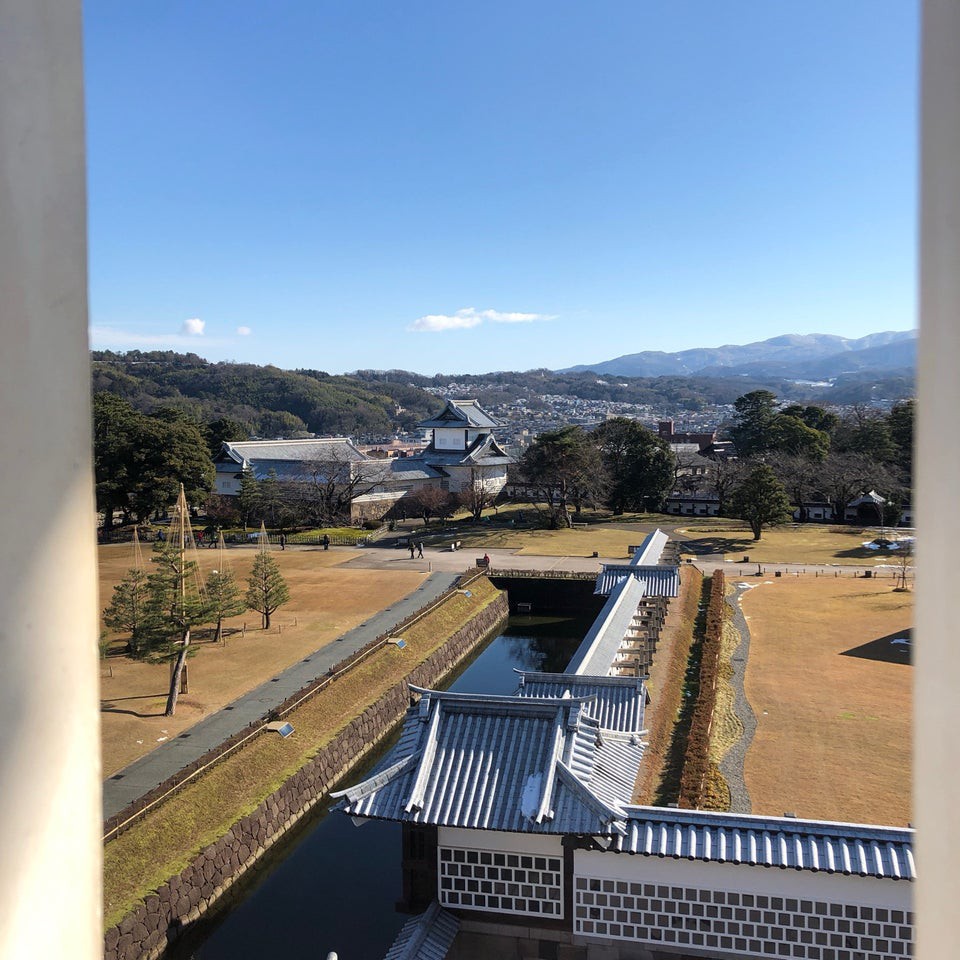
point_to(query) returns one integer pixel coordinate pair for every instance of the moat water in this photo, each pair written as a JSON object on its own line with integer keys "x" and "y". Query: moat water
{"x": 331, "y": 886}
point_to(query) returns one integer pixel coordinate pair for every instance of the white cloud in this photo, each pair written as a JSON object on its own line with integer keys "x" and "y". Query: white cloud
{"x": 192, "y": 327}
{"x": 244, "y": 331}
{"x": 497, "y": 317}
{"x": 468, "y": 317}
{"x": 114, "y": 338}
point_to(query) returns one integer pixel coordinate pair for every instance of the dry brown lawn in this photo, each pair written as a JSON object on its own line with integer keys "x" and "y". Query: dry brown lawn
{"x": 580, "y": 542}
{"x": 833, "y": 699}
{"x": 325, "y": 601}
{"x": 794, "y": 543}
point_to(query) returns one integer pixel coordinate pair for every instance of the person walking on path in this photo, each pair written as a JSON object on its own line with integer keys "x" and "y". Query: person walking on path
{"x": 326, "y": 541}
{"x": 283, "y": 541}
{"x": 411, "y": 550}
{"x": 420, "y": 549}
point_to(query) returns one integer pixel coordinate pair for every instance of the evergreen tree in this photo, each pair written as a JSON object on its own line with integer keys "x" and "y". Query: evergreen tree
{"x": 266, "y": 588}
{"x": 223, "y": 595}
{"x": 754, "y": 417}
{"x": 249, "y": 498}
{"x": 175, "y": 604}
{"x": 563, "y": 467}
{"x": 638, "y": 464}
{"x": 127, "y": 611}
{"x": 761, "y": 500}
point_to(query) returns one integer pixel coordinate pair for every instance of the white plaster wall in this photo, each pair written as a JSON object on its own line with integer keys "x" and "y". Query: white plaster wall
{"x": 769, "y": 881}
{"x": 542, "y": 845}
{"x": 227, "y": 484}
{"x": 444, "y": 439}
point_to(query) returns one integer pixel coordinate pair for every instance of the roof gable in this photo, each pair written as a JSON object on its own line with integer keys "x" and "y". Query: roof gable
{"x": 527, "y": 764}
{"x": 461, "y": 413}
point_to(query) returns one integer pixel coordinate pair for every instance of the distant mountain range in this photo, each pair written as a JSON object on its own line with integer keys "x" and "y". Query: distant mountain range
{"x": 815, "y": 356}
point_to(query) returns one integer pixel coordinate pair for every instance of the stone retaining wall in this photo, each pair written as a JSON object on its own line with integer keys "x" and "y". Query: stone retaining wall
{"x": 147, "y": 930}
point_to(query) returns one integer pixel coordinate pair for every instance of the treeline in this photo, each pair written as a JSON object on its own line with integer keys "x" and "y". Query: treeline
{"x": 271, "y": 402}
{"x": 620, "y": 465}
{"x": 784, "y": 455}
{"x": 807, "y": 454}
{"x": 266, "y": 400}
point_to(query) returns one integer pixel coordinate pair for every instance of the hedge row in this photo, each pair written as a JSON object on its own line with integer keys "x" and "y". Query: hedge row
{"x": 696, "y": 760}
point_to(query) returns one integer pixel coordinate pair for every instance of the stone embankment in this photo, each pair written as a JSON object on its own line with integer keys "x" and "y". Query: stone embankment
{"x": 147, "y": 930}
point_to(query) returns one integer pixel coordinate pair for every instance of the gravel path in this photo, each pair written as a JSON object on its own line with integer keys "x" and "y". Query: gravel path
{"x": 731, "y": 766}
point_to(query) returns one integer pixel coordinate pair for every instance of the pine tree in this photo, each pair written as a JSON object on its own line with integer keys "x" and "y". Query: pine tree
{"x": 249, "y": 498}
{"x": 175, "y": 604}
{"x": 223, "y": 594}
{"x": 267, "y": 590}
{"x": 761, "y": 500}
{"x": 128, "y": 609}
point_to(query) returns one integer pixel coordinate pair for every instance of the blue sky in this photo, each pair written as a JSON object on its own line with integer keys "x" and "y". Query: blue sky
{"x": 452, "y": 187}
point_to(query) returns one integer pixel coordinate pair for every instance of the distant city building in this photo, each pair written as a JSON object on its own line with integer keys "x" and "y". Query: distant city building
{"x": 702, "y": 440}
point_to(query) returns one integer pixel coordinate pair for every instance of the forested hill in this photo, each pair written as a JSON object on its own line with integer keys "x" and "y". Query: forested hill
{"x": 266, "y": 400}
{"x": 685, "y": 392}
{"x": 269, "y": 402}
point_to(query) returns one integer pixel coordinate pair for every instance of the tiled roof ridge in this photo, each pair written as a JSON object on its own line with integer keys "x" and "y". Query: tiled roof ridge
{"x": 612, "y": 816}
{"x": 365, "y": 787}
{"x": 536, "y": 676}
{"x": 501, "y": 699}
{"x": 241, "y": 443}
{"x": 754, "y": 821}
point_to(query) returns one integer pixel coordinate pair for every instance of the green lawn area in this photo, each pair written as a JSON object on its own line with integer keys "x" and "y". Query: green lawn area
{"x": 794, "y": 543}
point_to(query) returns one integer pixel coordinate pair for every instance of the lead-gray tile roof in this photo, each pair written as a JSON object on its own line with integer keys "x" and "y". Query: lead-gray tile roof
{"x": 661, "y": 581}
{"x": 426, "y": 937}
{"x": 596, "y": 653}
{"x": 483, "y": 451}
{"x": 650, "y": 551}
{"x": 397, "y": 469}
{"x": 619, "y": 701}
{"x": 522, "y": 764}
{"x": 460, "y": 413}
{"x": 340, "y": 449}
{"x": 785, "y": 842}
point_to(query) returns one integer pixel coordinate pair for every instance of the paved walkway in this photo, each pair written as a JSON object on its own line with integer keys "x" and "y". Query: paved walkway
{"x": 148, "y": 772}
{"x": 501, "y": 558}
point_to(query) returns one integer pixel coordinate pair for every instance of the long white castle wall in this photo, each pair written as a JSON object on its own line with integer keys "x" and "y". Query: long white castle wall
{"x": 735, "y": 910}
